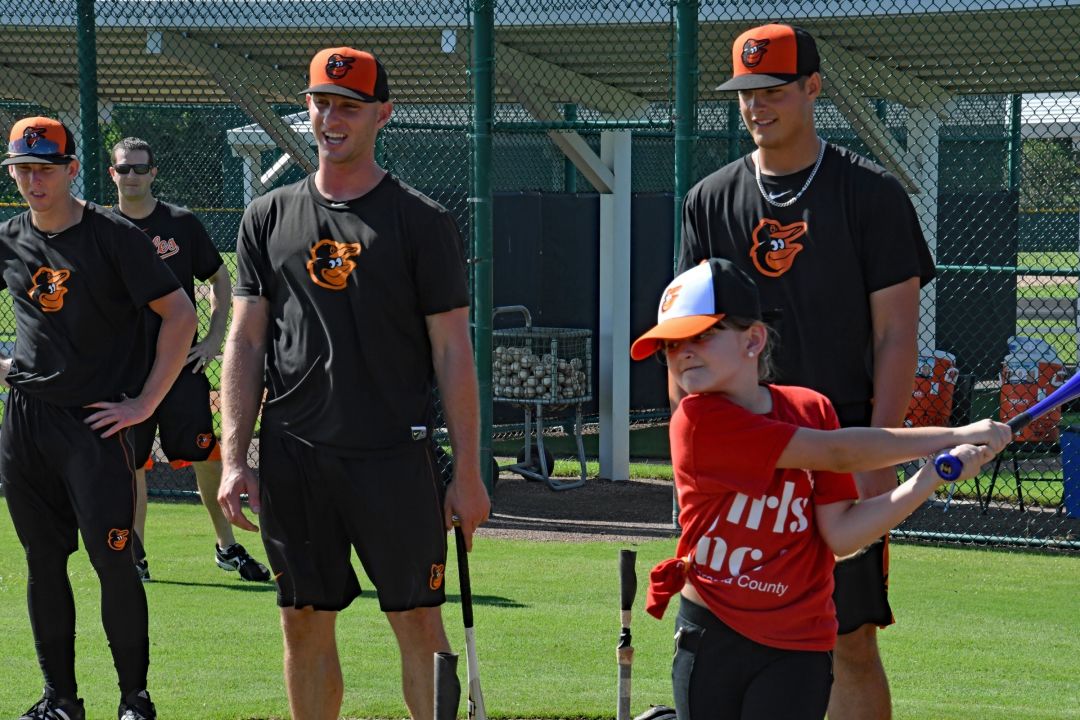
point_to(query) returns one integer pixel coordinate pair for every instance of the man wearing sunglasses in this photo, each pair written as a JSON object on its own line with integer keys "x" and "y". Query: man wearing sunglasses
{"x": 183, "y": 417}
{"x": 82, "y": 375}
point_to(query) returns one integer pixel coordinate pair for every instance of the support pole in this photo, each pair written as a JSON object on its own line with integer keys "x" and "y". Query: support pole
{"x": 686, "y": 80}
{"x": 686, "y": 85}
{"x": 88, "y": 101}
{"x": 615, "y": 308}
{"x": 921, "y": 160}
{"x": 483, "y": 53}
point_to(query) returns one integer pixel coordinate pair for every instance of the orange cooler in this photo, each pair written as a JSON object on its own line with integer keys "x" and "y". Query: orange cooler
{"x": 935, "y": 383}
{"x": 1024, "y": 383}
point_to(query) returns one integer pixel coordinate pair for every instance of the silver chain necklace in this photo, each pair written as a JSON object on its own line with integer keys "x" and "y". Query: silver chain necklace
{"x": 792, "y": 201}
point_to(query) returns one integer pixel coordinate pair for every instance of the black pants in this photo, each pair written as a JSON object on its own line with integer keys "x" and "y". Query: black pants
{"x": 718, "y": 674}
{"x": 61, "y": 479}
{"x": 318, "y": 507}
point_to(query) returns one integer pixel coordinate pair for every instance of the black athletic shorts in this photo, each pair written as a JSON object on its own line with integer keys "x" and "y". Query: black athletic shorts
{"x": 861, "y": 592}
{"x": 718, "y": 674}
{"x": 60, "y": 478}
{"x": 185, "y": 421}
{"x": 318, "y": 506}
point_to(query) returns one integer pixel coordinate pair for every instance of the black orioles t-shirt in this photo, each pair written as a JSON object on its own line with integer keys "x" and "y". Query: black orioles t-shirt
{"x": 78, "y": 297}
{"x": 349, "y": 285}
{"x": 183, "y": 243}
{"x": 853, "y": 232}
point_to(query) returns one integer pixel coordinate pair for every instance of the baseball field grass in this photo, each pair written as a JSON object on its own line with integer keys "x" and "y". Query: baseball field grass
{"x": 982, "y": 635}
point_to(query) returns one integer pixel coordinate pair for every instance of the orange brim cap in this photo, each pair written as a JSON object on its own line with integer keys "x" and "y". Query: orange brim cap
{"x": 696, "y": 300}
{"x": 679, "y": 328}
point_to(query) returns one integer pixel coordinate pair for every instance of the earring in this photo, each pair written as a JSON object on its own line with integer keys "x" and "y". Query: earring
{"x": 750, "y": 353}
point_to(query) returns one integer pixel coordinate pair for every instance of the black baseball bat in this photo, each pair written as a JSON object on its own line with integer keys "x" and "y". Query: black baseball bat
{"x": 949, "y": 468}
{"x": 447, "y": 686}
{"x": 477, "y": 710}
{"x": 624, "y": 654}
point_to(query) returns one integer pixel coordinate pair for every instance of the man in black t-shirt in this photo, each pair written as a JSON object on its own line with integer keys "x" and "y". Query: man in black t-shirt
{"x": 350, "y": 302}
{"x": 835, "y": 246}
{"x": 81, "y": 376}
{"x": 184, "y": 416}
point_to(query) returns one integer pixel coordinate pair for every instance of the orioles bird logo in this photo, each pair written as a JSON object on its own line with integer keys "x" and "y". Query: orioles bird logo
{"x": 203, "y": 440}
{"x": 775, "y": 246}
{"x": 437, "y": 573}
{"x": 331, "y": 263}
{"x": 669, "y": 298}
{"x": 32, "y": 134}
{"x": 753, "y": 52}
{"x": 337, "y": 66}
{"x": 118, "y": 539}
{"x": 47, "y": 288}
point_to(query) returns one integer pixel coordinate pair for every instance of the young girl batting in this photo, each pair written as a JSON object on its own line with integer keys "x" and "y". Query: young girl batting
{"x": 766, "y": 496}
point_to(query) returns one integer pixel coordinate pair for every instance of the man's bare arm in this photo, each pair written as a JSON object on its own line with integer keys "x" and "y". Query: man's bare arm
{"x": 210, "y": 346}
{"x": 177, "y": 329}
{"x": 451, "y": 354}
{"x": 241, "y": 395}
{"x": 894, "y": 313}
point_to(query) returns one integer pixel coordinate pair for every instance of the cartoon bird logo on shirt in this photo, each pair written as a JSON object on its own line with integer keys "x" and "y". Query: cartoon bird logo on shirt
{"x": 332, "y": 262}
{"x": 47, "y": 288}
{"x": 775, "y": 246}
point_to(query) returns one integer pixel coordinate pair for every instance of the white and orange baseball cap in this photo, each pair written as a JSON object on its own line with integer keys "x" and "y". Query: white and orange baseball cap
{"x": 771, "y": 55}
{"x": 698, "y": 299}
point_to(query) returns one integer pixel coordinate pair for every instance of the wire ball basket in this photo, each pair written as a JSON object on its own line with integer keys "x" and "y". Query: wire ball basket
{"x": 541, "y": 365}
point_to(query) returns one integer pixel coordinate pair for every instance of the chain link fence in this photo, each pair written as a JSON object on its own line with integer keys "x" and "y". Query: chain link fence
{"x": 960, "y": 99}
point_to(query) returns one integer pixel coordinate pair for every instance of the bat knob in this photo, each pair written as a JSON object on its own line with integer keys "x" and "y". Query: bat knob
{"x": 947, "y": 466}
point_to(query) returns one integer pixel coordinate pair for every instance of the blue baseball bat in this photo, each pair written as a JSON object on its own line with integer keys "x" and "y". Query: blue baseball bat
{"x": 949, "y": 468}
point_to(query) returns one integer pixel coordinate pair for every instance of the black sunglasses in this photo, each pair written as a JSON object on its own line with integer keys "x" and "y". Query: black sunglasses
{"x": 139, "y": 168}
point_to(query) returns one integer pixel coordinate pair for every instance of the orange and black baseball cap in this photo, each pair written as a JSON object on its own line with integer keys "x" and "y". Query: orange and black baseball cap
{"x": 39, "y": 140}
{"x": 353, "y": 73}
{"x": 772, "y": 55}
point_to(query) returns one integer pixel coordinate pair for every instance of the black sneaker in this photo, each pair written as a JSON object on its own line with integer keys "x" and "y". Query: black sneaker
{"x": 136, "y": 706}
{"x": 235, "y": 557}
{"x": 48, "y": 708}
{"x": 143, "y": 568}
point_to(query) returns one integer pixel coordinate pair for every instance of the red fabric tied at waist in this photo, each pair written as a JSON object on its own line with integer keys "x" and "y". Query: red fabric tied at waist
{"x": 666, "y": 580}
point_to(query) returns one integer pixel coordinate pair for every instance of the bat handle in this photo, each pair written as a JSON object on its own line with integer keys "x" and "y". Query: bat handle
{"x": 949, "y": 468}
{"x": 627, "y": 581}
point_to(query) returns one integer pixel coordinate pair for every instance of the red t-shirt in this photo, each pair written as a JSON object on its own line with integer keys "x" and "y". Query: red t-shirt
{"x": 757, "y": 558}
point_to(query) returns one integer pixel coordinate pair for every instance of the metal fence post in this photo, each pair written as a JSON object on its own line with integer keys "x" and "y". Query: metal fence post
{"x": 88, "y": 102}
{"x": 686, "y": 80}
{"x": 483, "y": 53}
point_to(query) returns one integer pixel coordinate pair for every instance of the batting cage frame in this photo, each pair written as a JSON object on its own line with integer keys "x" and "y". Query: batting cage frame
{"x": 564, "y": 136}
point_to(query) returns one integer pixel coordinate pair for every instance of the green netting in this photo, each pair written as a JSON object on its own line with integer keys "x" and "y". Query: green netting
{"x": 961, "y": 98}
